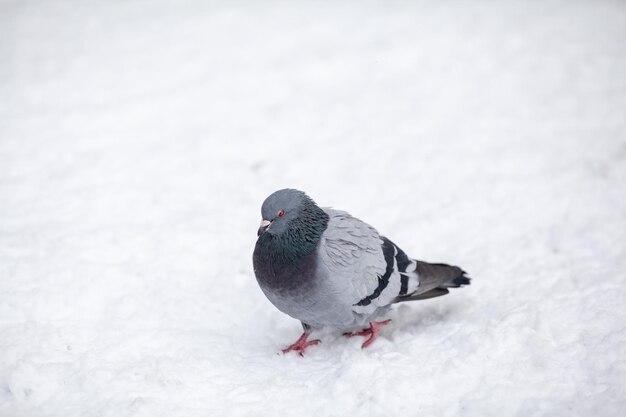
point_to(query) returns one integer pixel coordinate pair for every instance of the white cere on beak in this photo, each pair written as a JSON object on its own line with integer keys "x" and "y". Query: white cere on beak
{"x": 264, "y": 225}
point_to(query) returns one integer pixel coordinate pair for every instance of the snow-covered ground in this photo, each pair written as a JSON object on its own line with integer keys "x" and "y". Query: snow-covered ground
{"x": 138, "y": 140}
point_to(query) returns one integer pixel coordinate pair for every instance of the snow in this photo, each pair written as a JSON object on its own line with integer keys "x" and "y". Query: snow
{"x": 138, "y": 140}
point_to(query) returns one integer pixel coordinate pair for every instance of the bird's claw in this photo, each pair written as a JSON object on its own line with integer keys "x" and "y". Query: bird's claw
{"x": 372, "y": 332}
{"x": 301, "y": 344}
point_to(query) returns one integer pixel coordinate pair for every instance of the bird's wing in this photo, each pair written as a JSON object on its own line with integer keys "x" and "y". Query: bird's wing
{"x": 361, "y": 264}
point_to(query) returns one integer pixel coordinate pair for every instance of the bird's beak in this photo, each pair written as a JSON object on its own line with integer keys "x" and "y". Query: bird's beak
{"x": 264, "y": 225}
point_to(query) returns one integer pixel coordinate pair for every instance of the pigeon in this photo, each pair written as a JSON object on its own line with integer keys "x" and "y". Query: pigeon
{"x": 327, "y": 268}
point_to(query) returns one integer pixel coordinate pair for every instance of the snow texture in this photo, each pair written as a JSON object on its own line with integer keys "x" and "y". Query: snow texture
{"x": 138, "y": 140}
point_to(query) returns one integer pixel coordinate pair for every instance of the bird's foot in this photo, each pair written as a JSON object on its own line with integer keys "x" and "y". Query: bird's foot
{"x": 301, "y": 344}
{"x": 372, "y": 332}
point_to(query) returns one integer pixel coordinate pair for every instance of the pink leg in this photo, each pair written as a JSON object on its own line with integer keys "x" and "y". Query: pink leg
{"x": 372, "y": 332}
{"x": 301, "y": 344}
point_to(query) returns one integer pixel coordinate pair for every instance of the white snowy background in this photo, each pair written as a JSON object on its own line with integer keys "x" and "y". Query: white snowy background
{"x": 138, "y": 140}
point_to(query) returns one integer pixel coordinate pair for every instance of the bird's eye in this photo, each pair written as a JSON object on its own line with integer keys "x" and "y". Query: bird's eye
{"x": 281, "y": 213}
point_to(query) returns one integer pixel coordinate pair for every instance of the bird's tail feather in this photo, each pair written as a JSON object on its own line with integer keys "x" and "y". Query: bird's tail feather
{"x": 440, "y": 275}
{"x": 434, "y": 281}
{"x": 437, "y": 292}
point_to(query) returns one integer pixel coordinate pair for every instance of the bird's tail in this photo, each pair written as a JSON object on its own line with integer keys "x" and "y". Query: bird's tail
{"x": 434, "y": 281}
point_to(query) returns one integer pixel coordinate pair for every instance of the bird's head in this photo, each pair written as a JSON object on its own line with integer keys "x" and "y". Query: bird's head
{"x": 280, "y": 208}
